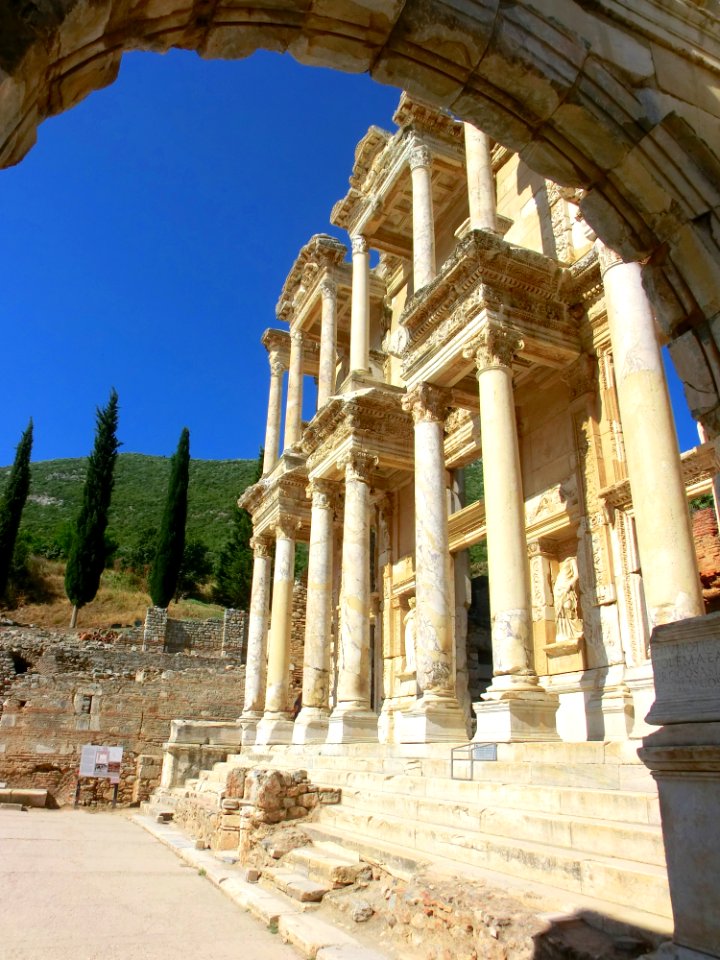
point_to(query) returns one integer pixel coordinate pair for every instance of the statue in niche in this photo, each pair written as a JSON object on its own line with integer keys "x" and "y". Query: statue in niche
{"x": 568, "y": 625}
{"x": 410, "y": 666}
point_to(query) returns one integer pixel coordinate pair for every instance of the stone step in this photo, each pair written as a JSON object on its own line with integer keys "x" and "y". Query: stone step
{"x": 616, "y": 805}
{"x": 625, "y": 777}
{"x": 638, "y": 841}
{"x": 296, "y": 886}
{"x": 335, "y": 868}
{"x": 25, "y": 796}
{"x": 605, "y": 878}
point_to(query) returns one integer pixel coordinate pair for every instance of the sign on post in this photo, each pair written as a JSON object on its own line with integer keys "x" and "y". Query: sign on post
{"x": 100, "y": 763}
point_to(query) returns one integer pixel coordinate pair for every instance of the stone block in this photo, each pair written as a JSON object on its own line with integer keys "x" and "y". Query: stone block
{"x": 310, "y": 934}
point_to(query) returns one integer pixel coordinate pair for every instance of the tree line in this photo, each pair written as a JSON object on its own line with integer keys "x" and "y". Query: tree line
{"x": 173, "y": 567}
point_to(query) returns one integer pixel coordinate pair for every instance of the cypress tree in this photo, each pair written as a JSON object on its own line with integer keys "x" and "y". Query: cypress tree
{"x": 234, "y": 568}
{"x": 12, "y": 503}
{"x": 171, "y": 540}
{"x": 86, "y": 560}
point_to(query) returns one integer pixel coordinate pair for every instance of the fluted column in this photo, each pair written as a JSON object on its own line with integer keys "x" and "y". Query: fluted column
{"x": 423, "y": 221}
{"x": 276, "y": 725}
{"x": 272, "y": 429}
{"x": 437, "y": 715}
{"x": 667, "y": 552}
{"x": 352, "y": 718}
{"x": 293, "y": 412}
{"x": 360, "y": 306}
{"x": 257, "y": 638}
{"x": 312, "y": 721}
{"x": 328, "y": 342}
{"x": 516, "y": 708}
{"x": 481, "y": 183}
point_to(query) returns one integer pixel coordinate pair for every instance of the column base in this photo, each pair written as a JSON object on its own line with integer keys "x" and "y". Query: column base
{"x": 528, "y": 716}
{"x": 311, "y": 726}
{"x": 352, "y": 725}
{"x": 432, "y": 721}
{"x": 248, "y": 722}
{"x": 640, "y": 681}
{"x": 274, "y": 728}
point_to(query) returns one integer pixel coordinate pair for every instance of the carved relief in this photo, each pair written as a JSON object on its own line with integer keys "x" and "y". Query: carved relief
{"x": 568, "y": 622}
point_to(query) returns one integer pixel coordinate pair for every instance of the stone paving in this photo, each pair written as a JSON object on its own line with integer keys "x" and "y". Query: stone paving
{"x": 85, "y": 886}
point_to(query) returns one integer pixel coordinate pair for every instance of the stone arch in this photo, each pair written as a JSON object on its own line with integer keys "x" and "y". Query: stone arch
{"x": 594, "y": 96}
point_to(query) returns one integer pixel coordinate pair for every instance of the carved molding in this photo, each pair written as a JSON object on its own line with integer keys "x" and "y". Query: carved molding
{"x": 328, "y": 289}
{"x": 359, "y": 244}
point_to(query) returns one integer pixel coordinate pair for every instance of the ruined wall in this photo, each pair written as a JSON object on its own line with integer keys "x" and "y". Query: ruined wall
{"x": 74, "y": 691}
{"x": 209, "y": 638}
{"x": 707, "y": 549}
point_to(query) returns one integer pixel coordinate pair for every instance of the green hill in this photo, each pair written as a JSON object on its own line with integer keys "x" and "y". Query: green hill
{"x": 138, "y": 497}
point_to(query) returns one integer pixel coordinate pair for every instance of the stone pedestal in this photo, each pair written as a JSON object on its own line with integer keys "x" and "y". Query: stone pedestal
{"x": 432, "y": 721}
{"x": 684, "y": 757}
{"x": 640, "y": 683}
{"x": 273, "y": 729}
{"x": 524, "y": 716}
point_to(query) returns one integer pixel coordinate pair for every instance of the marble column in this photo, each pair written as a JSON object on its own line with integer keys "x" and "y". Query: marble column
{"x": 481, "y": 183}
{"x": 423, "y": 222}
{"x": 515, "y": 707}
{"x": 328, "y": 342}
{"x": 255, "y": 666}
{"x": 353, "y": 719}
{"x": 311, "y": 724}
{"x": 437, "y": 715}
{"x": 272, "y": 429}
{"x": 293, "y": 412}
{"x": 276, "y": 723}
{"x": 360, "y": 306}
{"x": 662, "y": 520}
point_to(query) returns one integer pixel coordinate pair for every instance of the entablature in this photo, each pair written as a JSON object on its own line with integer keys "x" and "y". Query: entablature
{"x": 280, "y": 498}
{"x": 278, "y": 342}
{"x": 486, "y": 280}
{"x": 699, "y": 466}
{"x": 370, "y": 421}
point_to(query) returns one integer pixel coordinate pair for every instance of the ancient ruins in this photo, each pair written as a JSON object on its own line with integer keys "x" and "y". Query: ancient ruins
{"x": 528, "y": 262}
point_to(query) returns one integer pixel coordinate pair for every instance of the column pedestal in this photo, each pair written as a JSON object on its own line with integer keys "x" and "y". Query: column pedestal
{"x": 526, "y": 714}
{"x": 352, "y": 724}
{"x": 432, "y": 721}
{"x": 640, "y": 683}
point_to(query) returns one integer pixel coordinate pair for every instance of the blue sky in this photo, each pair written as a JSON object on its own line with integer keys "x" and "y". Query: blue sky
{"x": 146, "y": 239}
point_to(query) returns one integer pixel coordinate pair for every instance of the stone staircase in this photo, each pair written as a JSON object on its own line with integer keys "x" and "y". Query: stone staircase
{"x": 579, "y": 819}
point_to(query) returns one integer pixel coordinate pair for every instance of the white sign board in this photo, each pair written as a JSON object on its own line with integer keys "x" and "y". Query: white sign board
{"x": 101, "y": 762}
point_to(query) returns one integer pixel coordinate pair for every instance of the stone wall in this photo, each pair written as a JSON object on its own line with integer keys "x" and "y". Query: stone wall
{"x": 209, "y": 638}
{"x": 60, "y": 692}
{"x": 707, "y": 548}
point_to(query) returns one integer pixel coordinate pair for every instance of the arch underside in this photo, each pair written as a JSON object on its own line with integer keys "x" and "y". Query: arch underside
{"x": 619, "y": 103}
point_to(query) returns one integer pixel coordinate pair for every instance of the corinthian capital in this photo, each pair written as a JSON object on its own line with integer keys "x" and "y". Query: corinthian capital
{"x": 359, "y": 244}
{"x": 286, "y": 528}
{"x": 296, "y": 338}
{"x": 323, "y": 493}
{"x": 426, "y": 403}
{"x": 496, "y": 346}
{"x": 277, "y": 364}
{"x": 328, "y": 289}
{"x": 608, "y": 258}
{"x": 358, "y": 465}
{"x": 261, "y": 547}
{"x": 419, "y": 155}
